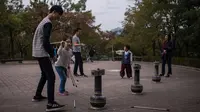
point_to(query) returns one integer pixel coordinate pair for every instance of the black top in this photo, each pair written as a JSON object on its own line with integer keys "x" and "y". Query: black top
{"x": 46, "y": 41}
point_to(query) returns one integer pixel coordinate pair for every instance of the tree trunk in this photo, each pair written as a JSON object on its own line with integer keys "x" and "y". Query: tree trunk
{"x": 21, "y": 52}
{"x": 180, "y": 50}
{"x": 11, "y": 44}
{"x": 154, "y": 47}
{"x": 187, "y": 49}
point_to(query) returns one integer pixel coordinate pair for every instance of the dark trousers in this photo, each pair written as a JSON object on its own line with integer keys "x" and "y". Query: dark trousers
{"x": 78, "y": 63}
{"x": 128, "y": 70}
{"x": 47, "y": 74}
{"x": 167, "y": 58}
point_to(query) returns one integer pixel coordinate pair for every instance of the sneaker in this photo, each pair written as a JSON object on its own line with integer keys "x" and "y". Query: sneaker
{"x": 64, "y": 93}
{"x": 54, "y": 107}
{"x": 76, "y": 75}
{"x": 167, "y": 75}
{"x": 162, "y": 74}
{"x": 84, "y": 75}
{"x": 38, "y": 98}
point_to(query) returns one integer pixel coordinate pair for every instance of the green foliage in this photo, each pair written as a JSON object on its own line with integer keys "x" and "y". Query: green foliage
{"x": 18, "y": 24}
{"x": 193, "y": 62}
{"x": 149, "y": 20}
{"x": 69, "y": 5}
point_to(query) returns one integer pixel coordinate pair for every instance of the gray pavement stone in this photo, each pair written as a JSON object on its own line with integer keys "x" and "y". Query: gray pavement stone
{"x": 180, "y": 93}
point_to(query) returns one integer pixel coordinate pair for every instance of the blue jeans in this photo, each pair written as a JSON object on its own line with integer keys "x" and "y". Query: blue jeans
{"x": 62, "y": 72}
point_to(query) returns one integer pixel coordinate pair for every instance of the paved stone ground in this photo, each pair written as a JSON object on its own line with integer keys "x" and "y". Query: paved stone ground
{"x": 179, "y": 93}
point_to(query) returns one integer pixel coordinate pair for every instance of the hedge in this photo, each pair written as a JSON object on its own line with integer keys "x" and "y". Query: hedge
{"x": 193, "y": 62}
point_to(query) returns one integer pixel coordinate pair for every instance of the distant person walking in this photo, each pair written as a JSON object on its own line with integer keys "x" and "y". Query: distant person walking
{"x": 91, "y": 54}
{"x": 77, "y": 53}
{"x": 42, "y": 49}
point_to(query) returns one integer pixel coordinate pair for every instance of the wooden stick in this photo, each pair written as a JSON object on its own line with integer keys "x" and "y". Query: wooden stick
{"x": 55, "y": 43}
{"x": 58, "y": 42}
{"x": 72, "y": 78}
{"x": 150, "y": 108}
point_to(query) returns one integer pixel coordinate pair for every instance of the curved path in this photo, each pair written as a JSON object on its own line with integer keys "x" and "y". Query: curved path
{"x": 179, "y": 93}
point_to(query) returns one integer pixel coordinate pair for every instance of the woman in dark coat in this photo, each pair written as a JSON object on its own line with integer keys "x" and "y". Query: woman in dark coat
{"x": 167, "y": 55}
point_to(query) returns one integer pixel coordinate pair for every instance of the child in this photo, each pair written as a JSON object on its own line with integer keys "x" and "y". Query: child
{"x": 64, "y": 57}
{"x": 126, "y": 62}
{"x": 70, "y": 47}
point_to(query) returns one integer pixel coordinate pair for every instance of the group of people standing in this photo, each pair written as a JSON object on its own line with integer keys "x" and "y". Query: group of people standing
{"x": 44, "y": 52}
{"x": 166, "y": 56}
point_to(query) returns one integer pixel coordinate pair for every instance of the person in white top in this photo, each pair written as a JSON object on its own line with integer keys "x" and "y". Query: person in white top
{"x": 62, "y": 65}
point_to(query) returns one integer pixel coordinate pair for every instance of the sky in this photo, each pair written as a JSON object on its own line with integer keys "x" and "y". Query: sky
{"x": 109, "y": 13}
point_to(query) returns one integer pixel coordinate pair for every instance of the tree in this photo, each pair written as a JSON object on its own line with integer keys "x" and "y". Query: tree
{"x": 18, "y": 23}
{"x": 11, "y": 22}
{"x": 149, "y": 20}
{"x": 3, "y": 16}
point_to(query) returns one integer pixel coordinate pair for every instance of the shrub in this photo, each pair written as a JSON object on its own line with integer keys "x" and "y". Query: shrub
{"x": 193, "y": 62}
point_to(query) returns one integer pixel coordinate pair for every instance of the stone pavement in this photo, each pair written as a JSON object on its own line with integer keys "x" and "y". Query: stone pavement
{"x": 179, "y": 93}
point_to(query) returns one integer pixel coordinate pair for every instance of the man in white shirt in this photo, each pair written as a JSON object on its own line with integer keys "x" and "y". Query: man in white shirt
{"x": 76, "y": 46}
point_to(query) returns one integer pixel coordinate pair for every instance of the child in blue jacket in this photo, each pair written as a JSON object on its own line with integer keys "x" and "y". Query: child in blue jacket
{"x": 126, "y": 62}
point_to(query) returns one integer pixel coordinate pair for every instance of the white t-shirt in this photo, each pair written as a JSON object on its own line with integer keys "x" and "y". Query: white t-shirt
{"x": 76, "y": 39}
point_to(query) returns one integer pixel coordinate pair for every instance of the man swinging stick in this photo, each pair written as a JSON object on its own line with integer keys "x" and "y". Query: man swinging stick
{"x": 43, "y": 51}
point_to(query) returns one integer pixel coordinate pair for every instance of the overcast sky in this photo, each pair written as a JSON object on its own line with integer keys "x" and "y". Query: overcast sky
{"x": 110, "y": 13}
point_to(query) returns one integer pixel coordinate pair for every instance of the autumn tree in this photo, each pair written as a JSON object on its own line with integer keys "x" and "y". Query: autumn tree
{"x": 19, "y": 22}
